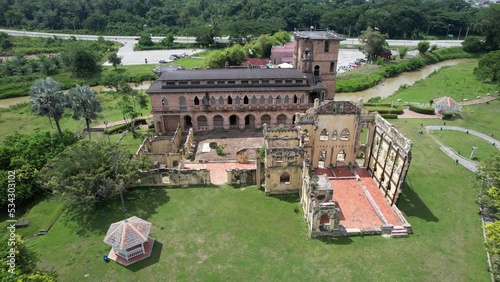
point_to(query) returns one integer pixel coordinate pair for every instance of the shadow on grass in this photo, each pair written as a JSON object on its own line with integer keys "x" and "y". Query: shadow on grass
{"x": 291, "y": 198}
{"x": 154, "y": 258}
{"x": 140, "y": 202}
{"x": 411, "y": 204}
{"x": 335, "y": 240}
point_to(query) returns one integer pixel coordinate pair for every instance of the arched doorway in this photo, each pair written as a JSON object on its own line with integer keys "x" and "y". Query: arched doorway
{"x": 281, "y": 119}
{"x": 249, "y": 121}
{"x": 233, "y": 121}
{"x": 265, "y": 119}
{"x": 218, "y": 122}
{"x": 187, "y": 122}
{"x": 202, "y": 123}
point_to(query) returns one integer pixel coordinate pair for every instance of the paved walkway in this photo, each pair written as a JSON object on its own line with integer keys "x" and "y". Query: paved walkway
{"x": 407, "y": 113}
{"x": 120, "y": 122}
{"x": 467, "y": 163}
{"x": 479, "y": 101}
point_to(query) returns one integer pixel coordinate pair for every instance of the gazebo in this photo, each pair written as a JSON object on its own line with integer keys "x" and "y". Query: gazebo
{"x": 446, "y": 105}
{"x": 129, "y": 240}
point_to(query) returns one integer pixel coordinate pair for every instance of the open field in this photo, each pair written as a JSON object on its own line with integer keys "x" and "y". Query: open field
{"x": 457, "y": 82}
{"x": 462, "y": 142}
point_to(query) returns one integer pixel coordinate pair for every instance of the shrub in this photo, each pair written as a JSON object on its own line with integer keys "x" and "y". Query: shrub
{"x": 423, "y": 46}
{"x": 447, "y": 115}
{"x": 374, "y": 99}
{"x": 402, "y": 52}
{"x": 473, "y": 44}
{"x": 425, "y": 111}
{"x": 389, "y": 116}
{"x": 380, "y": 61}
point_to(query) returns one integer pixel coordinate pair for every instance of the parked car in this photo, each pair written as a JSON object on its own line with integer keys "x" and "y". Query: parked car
{"x": 174, "y": 57}
{"x": 163, "y": 61}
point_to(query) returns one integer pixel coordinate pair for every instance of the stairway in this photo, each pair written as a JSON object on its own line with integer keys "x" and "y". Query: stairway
{"x": 399, "y": 232}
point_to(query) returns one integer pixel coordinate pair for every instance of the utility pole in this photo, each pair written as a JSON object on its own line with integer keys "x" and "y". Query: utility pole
{"x": 459, "y": 32}
{"x": 467, "y": 32}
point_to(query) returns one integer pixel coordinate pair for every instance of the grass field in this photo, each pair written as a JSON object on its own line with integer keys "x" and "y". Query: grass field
{"x": 462, "y": 142}
{"x": 230, "y": 234}
{"x": 457, "y": 82}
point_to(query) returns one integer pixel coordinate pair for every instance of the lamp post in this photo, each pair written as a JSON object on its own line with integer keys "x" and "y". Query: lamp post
{"x": 114, "y": 166}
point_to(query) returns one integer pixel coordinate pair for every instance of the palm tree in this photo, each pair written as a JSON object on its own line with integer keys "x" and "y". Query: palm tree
{"x": 47, "y": 99}
{"x": 84, "y": 103}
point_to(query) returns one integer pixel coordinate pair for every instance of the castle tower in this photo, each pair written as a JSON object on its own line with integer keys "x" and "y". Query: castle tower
{"x": 317, "y": 52}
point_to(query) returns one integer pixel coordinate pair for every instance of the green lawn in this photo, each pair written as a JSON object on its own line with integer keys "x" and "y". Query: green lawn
{"x": 463, "y": 143}
{"x": 457, "y": 82}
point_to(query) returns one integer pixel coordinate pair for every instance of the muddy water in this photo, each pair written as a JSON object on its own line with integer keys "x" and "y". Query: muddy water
{"x": 391, "y": 85}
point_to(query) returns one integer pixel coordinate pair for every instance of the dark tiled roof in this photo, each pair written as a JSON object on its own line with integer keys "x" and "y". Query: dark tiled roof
{"x": 338, "y": 107}
{"x": 326, "y": 34}
{"x": 232, "y": 74}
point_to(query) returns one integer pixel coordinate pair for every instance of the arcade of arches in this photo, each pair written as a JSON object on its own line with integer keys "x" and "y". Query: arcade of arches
{"x": 220, "y": 121}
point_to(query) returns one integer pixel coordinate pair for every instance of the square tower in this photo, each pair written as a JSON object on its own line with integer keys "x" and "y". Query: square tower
{"x": 317, "y": 52}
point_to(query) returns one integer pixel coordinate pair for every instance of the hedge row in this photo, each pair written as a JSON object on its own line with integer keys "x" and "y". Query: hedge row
{"x": 353, "y": 83}
{"x": 447, "y": 115}
{"x": 425, "y": 111}
{"x": 386, "y": 110}
{"x": 389, "y": 116}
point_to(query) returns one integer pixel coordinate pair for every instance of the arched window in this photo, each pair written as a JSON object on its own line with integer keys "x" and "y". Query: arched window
{"x": 295, "y": 99}
{"x": 218, "y": 121}
{"x": 262, "y": 100}
{"x": 303, "y": 99}
{"x": 254, "y": 100}
{"x": 287, "y": 100}
{"x": 322, "y": 155}
{"x": 341, "y": 156}
{"x": 221, "y": 101}
{"x": 204, "y": 100}
{"x": 344, "y": 135}
{"x": 334, "y": 135}
{"x": 213, "y": 102}
{"x": 324, "y": 219}
{"x": 245, "y": 100}
{"x": 202, "y": 121}
{"x": 285, "y": 178}
{"x": 270, "y": 100}
{"x": 237, "y": 100}
{"x": 281, "y": 119}
{"x": 323, "y": 136}
{"x": 265, "y": 119}
{"x": 316, "y": 70}
{"x": 229, "y": 100}
{"x": 196, "y": 101}
{"x": 278, "y": 100}
{"x": 164, "y": 102}
{"x": 182, "y": 103}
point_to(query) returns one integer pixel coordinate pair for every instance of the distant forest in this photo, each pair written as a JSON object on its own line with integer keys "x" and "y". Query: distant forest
{"x": 397, "y": 18}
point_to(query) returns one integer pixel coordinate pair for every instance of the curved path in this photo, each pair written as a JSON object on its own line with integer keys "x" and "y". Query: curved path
{"x": 467, "y": 163}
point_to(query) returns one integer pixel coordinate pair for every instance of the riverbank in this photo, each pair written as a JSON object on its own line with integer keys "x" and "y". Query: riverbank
{"x": 372, "y": 75}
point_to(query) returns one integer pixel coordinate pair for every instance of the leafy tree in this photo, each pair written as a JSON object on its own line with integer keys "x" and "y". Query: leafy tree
{"x": 130, "y": 101}
{"x": 488, "y": 67}
{"x": 5, "y": 41}
{"x": 373, "y": 43}
{"x": 47, "y": 99}
{"x": 114, "y": 59}
{"x": 84, "y": 103}
{"x": 168, "y": 40}
{"x": 145, "y": 40}
{"x": 80, "y": 60}
{"x": 236, "y": 55}
{"x": 47, "y": 65}
{"x": 473, "y": 44}
{"x": 487, "y": 20}
{"x": 27, "y": 154}
{"x": 423, "y": 46}
{"x": 83, "y": 174}
{"x": 217, "y": 59}
{"x": 204, "y": 35}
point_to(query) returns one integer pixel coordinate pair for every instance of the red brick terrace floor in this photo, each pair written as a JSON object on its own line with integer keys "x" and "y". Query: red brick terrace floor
{"x": 356, "y": 210}
{"x": 342, "y": 172}
{"x": 377, "y": 196}
{"x": 218, "y": 174}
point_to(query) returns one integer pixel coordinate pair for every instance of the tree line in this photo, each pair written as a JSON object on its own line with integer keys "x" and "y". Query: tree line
{"x": 399, "y": 19}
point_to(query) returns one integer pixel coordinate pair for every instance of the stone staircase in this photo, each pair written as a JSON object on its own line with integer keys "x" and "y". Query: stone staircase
{"x": 399, "y": 232}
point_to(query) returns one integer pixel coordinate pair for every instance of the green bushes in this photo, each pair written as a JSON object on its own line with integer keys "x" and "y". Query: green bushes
{"x": 397, "y": 110}
{"x": 425, "y": 111}
{"x": 447, "y": 115}
{"x": 389, "y": 116}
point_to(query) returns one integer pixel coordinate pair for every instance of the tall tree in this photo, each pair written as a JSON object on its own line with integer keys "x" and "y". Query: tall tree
{"x": 114, "y": 59}
{"x": 80, "y": 60}
{"x": 373, "y": 43}
{"x": 84, "y": 103}
{"x": 47, "y": 99}
{"x": 487, "y": 23}
{"x": 488, "y": 67}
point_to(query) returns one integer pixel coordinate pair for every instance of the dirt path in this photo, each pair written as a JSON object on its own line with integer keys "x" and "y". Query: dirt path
{"x": 120, "y": 122}
{"x": 479, "y": 101}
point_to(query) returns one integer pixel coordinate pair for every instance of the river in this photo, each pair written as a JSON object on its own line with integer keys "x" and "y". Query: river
{"x": 385, "y": 89}
{"x": 390, "y": 85}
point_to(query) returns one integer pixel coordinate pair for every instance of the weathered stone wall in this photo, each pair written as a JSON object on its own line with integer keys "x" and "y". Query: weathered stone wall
{"x": 241, "y": 176}
{"x": 175, "y": 177}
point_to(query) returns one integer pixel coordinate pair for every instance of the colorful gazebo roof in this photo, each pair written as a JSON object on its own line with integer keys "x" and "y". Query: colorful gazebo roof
{"x": 127, "y": 233}
{"x": 446, "y": 104}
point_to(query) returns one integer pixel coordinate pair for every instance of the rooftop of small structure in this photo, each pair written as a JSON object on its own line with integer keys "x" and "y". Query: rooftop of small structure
{"x": 127, "y": 233}
{"x": 318, "y": 34}
{"x": 322, "y": 181}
